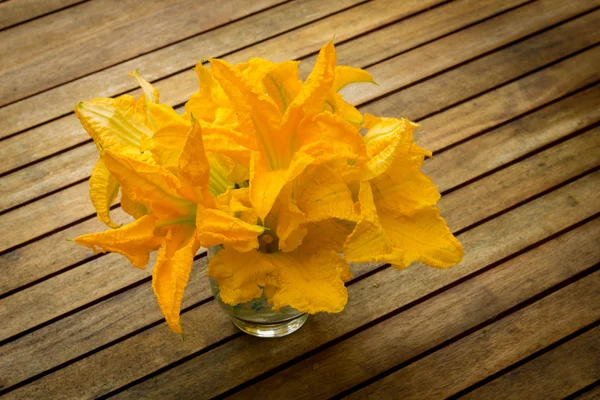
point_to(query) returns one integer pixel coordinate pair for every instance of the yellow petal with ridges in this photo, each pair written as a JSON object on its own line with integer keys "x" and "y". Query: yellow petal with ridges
{"x": 282, "y": 84}
{"x": 332, "y": 132}
{"x": 254, "y": 71}
{"x": 210, "y": 103}
{"x": 309, "y": 280}
{"x": 323, "y": 194}
{"x": 258, "y": 115}
{"x": 345, "y": 76}
{"x": 306, "y": 279}
{"x": 104, "y": 189}
{"x": 135, "y": 209}
{"x": 336, "y": 104}
{"x": 403, "y": 189}
{"x": 315, "y": 90}
{"x": 386, "y": 141}
{"x": 151, "y": 94}
{"x": 113, "y": 123}
{"x": 240, "y": 275}
{"x": 368, "y": 241}
{"x": 217, "y": 227}
{"x": 423, "y": 237}
{"x": 288, "y": 219}
{"x": 135, "y": 240}
{"x": 172, "y": 271}
{"x": 151, "y": 185}
{"x": 194, "y": 168}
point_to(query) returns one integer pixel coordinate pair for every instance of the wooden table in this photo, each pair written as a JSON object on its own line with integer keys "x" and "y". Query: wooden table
{"x": 508, "y": 97}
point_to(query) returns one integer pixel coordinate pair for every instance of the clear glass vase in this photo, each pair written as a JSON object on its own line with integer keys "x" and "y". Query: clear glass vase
{"x": 256, "y": 317}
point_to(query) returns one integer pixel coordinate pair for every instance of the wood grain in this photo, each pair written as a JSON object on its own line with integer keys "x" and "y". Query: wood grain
{"x": 495, "y": 346}
{"x": 592, "y": 394}
{"x": 483, "y": 38}
{"x": 553, "y": 375}
{"x": 97, "y": 34}
{"x": 245, "y": 358}
{"x": 71, "y": 204}
{"x": 178, "y": 56}
{"x": 514, "y": 140}
{"x": 410, "y": 333}
{"x": 18, "y": 11}
{"x": 177, "y": 88}
{"x": 293, "y": 44}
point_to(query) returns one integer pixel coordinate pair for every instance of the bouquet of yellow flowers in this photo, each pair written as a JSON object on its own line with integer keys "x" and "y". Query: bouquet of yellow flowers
{"x": 273, "y": 169}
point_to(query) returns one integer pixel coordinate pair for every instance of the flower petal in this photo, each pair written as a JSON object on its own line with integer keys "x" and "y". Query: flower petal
{"x": 151, "y": 94}
{"x": 305, "y": 279}
{"x": 103, "y": 191}
{"x": 133, "y": 208}
{"x": 240, "y": 274}
{"x": 151, "y": 185}
{"x": 194, "y": 169}
{"x": 210, "y": 103}
{"x": 258, "y": 115}
{"x": 387, "y": 140}
{"x": 282, "y": 84}
{"x": 345, "y": 76}
{"x": 113, "y": 123}
{"x": 368, "y": 242}
{"x": 309, "y": 280}
{"x": 216, "y": 227}
{"x": 336, "y": 137}
{"x": 403, "y": 189}
{"x": 288, "y": 219}
{"x": 422, "y": 237}
{"x": 172, "y": 271}
{"x": 323, "y": 194}
{"x": 135, "y": 240}
{"x": 314, "y": 91}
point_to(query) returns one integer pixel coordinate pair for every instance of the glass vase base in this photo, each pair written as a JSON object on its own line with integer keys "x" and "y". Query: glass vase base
{"x": 271, "y": 330}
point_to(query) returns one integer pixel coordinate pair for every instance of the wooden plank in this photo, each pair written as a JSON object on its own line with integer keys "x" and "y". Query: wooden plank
{"x": 65, "y": 133}
{"x": 553, "y": 375}
{"x": 533, "y": 175}
{"x": 483, "y": 198}
{"x": 18, "y": 11}
{"x": 75, "y": 206}
{"x": 410, "y": 333}
{"x": 482, "y": 248}
{"x": 244, "y": 358}
{"x": 499, "y": 31}
{"x": 22, "y": 266}
{"x": 181, "y": 57}
{"x": 80, "y": 40}
{"x": 514, "y": 139}
{"x": 592, "y": 394}
{"x": 494, "y": 347}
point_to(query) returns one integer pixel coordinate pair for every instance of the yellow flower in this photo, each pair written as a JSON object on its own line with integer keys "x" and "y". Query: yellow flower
{"x": 276, "y": 171}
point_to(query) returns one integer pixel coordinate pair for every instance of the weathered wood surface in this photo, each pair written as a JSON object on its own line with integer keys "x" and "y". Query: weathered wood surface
{"x": 507, "y": 97}
{"x": 20, "y": 11}
{"x": 553, "y": 375}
